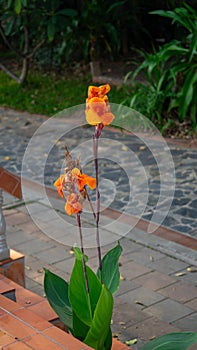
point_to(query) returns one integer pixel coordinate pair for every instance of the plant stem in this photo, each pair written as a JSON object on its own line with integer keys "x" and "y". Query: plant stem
{"x": 91, "y": 205}
{"x": 95, "y": 149}
{"x": 82, "y": 249}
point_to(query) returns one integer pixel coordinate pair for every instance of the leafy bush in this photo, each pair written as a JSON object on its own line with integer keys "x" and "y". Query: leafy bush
{"x": 171, "y": 72}
{"x": 27, "y": 26}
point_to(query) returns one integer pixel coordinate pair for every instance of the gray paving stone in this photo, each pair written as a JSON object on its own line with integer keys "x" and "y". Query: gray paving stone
{"x": 188, "y": 323}
{"x": 168, "y": 265}
{"x": 36, "y": 246}
{"x": 130, "y": 246}
{"x": 192, "y": 304}
{"x": 142, "y": 297}
{"x": 149, "y": 329}
{"x": 18, "y": 237}
{"x": 131, "y": 270}
{"x": 65, "y": 265}
{"x": 52, "y": 254}
{"x": 189, "y": 277}
{"x": 180, "y": 291}
{"x": 126, "y": 286}
{"x": 155, "y": 280}
{"x": 169, "y": 310}
{"x": 127, "y": 314}
{"x": 29, "y": 283}
{"x": 145, "y": 256}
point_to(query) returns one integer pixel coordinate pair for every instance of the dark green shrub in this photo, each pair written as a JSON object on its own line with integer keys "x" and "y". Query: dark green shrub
{"x": 171, "y": 73}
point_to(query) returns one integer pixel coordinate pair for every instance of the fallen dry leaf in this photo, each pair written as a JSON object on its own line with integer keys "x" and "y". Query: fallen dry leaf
{"x": 178, "y": 274}
{"x": 40, "y": 270}
{"x": 192, "y": 269}
{"x": 139, "y": 303}
{"x": 142, "y": 148}
{"x": 131, "y": 342}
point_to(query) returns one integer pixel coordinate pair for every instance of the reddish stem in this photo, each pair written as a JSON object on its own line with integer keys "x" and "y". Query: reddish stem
{"x": 82, "y": 249}
{"x": 95, "y": 149}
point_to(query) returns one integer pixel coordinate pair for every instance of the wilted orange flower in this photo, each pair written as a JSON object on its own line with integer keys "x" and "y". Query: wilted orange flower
{"x": 83, "y": 179}
{"x": 73, "y": 206}
{"x": 59, "y": 184}
{"x": 97, "y": 106}
{"x": 98, "y": 91}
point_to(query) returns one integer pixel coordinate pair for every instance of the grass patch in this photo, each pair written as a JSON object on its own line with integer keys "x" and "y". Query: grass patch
{"x": 48, "y": 94}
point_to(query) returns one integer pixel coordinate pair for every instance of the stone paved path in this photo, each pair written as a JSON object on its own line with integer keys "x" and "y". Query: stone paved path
{"x": 131, "y": 181}
{"x": 157, "y": 294}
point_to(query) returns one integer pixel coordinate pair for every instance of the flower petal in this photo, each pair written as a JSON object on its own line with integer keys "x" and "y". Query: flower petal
{"x": 76, "y": 172}
{"x": 98, "y": 91}
{"x": 90, "y": 181}
{"x": 74, "y": 208}
{"x": 59, "y": 184}
{"x": 107, "y": 118}
{"x": 97, "y": 105}
{"x": 69, "y": 208}
{"x": 92, "y": 117}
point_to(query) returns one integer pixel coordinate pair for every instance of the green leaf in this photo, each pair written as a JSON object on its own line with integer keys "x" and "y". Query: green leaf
{"x": 9, "y": 26}
{"x": 67, "y": 12}
{"x": 17, "y": 6}
{"x": 80, "y": 329}
{"x": 172, "y": 341}
{"x": 110, "y": 274}
{"x": 83, "y": 303}
{"x": 9, "y": 3}
{"x": 108, "y": 340}
{"x": 51, "y": 29}
{"x": 187, "y": 92}
{"x": 114, "y": 5}
{"x": 99, "y": 330}
{"x": 56, "y": 290}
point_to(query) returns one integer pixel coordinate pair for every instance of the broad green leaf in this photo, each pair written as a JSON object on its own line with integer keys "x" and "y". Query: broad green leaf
{"x": 51, "y": 29}
{"x": 172, "y": 341}
{"x": 108, "y": 340}
{"x": 171, "y": 14}
{"x": 67, "y": 12}
{"x": 110, "y": 274}
{"x": 193, "y": 46}
{"x": 187, "y": 93}
{"x": 114, "y": 5}
{"x": 80, "y": 329}
{"x": 56, "y": 290}
{"x": 9, "y": 26}
{"x": 99, "y": 330}
{"x": 17, "y": 6}
{"x": 83, "y": 303}
{"x": 9, "y": 3}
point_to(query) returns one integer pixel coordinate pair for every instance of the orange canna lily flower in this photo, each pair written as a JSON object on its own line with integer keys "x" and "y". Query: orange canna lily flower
{"x": 98, "y": 91}
{"x": 72, "y": 205}
{"x": 94, "y": 119}
{"x": 59, "y": 184}
{"x": 83, "y": 179}
{"x": 97, "y": 106}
